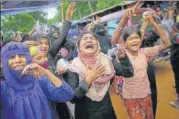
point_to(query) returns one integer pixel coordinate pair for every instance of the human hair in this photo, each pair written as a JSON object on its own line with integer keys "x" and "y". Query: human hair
{"x": 128, "y": 31}
{"x": 79, "y": 38}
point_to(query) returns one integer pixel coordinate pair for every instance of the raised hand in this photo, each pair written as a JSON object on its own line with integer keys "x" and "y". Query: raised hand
{"x": 97, "y": 21}
{"x": 130, "y": 12}
{"x": 90, "y": 26}
{"x": 93, "y": 74}
{"x": 149, "y": 17}
{"x": 70, "y": 11}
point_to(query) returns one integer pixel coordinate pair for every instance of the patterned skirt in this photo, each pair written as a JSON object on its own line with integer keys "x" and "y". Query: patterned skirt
{"x": 139, "y": 108}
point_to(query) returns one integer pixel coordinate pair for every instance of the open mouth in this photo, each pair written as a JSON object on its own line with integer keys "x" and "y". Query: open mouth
{"x": 135, "y": 44}
{"x": 43, "y": 49}
{"x": 89, "y": 46}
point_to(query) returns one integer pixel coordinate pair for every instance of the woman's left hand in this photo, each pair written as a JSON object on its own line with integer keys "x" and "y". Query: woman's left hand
{"x": 131, "y": 12}
{"x": 34, "y": 69}
{"x": 149, "y": 18}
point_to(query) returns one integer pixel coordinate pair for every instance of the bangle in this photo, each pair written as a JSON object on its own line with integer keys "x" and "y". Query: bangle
{"x": 119, "y": 28}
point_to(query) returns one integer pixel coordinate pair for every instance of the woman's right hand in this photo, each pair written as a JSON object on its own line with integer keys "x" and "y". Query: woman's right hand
{"x": 93, "y": 74}
{"x": 70, "y": 11}
{"x": 131, "y": 12}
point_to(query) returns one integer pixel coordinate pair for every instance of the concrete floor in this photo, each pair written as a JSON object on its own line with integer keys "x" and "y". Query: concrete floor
{"x": 166, "y": 93}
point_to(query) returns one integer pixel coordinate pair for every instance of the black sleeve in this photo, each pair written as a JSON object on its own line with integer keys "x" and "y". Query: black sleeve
{"x": 80, "y": 87}
{"x": 124, "y": 68}
{"x": 62, "y": 38}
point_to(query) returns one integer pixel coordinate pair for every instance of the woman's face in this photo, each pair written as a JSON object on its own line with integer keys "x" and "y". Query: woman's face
{"x": 44, "y": 47}
{"x": 133, "y": 42}
{"x": 88, "y": 44}
{"x": 17, "y": 62}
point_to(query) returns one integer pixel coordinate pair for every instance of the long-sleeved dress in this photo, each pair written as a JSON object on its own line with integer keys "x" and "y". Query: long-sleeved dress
{"x": 61, "y": 94}
{"x": 85, "y": 108}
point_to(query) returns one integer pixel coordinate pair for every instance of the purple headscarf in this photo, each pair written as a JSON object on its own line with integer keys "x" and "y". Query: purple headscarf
{"x": 25, "y": 99}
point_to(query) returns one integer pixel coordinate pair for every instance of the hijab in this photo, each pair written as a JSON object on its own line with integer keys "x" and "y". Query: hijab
{"x": 100, "y": 86}
{"x": 25, "y": 99}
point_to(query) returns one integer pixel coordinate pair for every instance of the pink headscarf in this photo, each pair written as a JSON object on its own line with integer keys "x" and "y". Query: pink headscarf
{"x": 90, "y": 59}
{"x": 100, "y": 86}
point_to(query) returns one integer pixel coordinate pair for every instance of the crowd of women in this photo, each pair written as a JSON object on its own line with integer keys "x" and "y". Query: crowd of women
{"x": 48, "y": 76}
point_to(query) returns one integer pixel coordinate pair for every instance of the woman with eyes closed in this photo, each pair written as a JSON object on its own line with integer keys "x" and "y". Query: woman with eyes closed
{"x": 23, "y": 96}
{"x": 136, "y": 90}
{"x": 90, "y": 75}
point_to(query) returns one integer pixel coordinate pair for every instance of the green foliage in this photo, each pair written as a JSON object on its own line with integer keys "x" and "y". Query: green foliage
{"x": 83, "y": 8}
{"x": 20, "y": 22}
{"x": 24, "y": 22}
{"x": 103, "y": 5}
{"x": 39, "y": 16}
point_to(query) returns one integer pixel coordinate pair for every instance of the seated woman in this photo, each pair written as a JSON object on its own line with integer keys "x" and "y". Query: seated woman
{"x": 22, "y": 96}
{"x": 90, "y": 74}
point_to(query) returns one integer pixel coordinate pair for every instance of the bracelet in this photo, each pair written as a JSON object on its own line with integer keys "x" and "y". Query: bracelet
{"x": 119, "y": 28}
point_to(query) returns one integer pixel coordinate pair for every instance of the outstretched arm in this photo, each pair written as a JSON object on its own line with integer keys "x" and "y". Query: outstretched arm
{"x": 119, "y": 28}
{"x": 163, "y": 36}
{"x": 63, "y": 31}
{"x": 53, "y": 87}
{"x": 129, "y": 13}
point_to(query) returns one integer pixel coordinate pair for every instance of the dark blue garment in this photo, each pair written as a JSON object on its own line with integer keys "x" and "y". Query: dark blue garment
{"x": 71, "y": 34}
{"x": 23, "y": 97}
{"x": 73, "y": 56}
